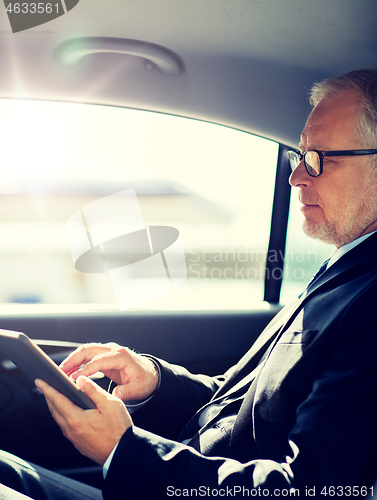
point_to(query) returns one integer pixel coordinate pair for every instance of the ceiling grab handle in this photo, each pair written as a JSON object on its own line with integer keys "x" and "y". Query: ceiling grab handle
{"x": 72, "y": 51}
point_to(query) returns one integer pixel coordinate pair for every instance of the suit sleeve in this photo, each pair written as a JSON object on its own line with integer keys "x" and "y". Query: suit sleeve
{"x": 332, "y": 443}
{"x": 148, "y": 466}
{"x": 180, "y": 396}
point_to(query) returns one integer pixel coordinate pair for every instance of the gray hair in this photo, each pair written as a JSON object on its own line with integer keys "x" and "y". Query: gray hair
{"x": 365, "y": 82}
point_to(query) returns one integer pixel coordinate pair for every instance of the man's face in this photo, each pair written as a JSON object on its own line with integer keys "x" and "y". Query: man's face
{"x": 341, "y": 204}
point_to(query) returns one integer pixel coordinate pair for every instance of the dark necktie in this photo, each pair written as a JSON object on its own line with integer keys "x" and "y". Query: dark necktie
{"x": 320, "y": 271}
{"x": 190, "y": 429}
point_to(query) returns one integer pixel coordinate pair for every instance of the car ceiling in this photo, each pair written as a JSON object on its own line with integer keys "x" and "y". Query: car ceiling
{"x": 244, "y": 63}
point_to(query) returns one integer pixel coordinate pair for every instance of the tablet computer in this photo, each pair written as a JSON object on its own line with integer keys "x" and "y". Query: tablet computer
{"x": 35, "y": 363}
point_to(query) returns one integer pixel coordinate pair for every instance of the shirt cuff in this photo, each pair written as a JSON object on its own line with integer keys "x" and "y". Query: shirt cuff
{"x": 106, "y": 465}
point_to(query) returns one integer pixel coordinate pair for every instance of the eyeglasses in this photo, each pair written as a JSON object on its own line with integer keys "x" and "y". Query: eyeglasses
{"x": 313, "y": 160}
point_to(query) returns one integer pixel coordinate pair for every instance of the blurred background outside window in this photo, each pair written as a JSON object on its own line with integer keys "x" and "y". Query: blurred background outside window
{"x": 213, "y": 184}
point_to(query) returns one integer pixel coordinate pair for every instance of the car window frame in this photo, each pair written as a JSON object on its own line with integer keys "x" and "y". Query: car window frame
{"x": 278, "y": 229}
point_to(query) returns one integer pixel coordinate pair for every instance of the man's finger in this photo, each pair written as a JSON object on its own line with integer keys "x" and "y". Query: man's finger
{"x": 60, "y": 406}
{"x": 109, "y": 362}
{"x": 98, "y": 395}
{"x": 89, "y": 368}
{"x": 82, "y": 355}
{"x": 126, "y": 392}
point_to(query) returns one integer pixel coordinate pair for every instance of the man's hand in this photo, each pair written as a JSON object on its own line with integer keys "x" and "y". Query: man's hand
{"x": 93, "y": 432}
{"x": 135, "y": 375}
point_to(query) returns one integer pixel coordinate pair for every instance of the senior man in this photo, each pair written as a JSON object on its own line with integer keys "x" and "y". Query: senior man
{"x": 296, "y": 415}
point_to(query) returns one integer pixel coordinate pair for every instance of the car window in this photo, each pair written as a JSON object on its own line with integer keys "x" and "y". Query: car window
{"x": 69, "y": 165}
{"x": 303, "y": 255}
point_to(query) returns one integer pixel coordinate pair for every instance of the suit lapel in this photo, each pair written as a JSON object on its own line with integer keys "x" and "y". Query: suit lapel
{"x": 266, "y": 339}
{"x": 251, "y": 359}
{"x": 357, "y": 262}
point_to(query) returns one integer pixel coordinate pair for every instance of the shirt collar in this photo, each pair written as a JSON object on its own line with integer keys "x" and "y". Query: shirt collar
{"x": 346, "y": 248}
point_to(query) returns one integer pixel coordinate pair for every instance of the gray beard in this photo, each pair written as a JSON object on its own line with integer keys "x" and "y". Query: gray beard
{"x": 353, "y": 222}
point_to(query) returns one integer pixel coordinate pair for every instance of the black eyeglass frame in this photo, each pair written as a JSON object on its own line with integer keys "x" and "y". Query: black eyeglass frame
{"x": 322, "y": 154}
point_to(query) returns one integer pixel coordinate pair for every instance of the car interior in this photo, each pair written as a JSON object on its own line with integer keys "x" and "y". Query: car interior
{"x": 187, "y": 109}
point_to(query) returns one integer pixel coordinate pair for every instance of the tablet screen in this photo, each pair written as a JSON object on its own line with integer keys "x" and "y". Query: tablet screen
{"x": 35, "y": 363}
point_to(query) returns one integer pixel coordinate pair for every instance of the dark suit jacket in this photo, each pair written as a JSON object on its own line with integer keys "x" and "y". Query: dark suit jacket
{"x": 308, "y": 420}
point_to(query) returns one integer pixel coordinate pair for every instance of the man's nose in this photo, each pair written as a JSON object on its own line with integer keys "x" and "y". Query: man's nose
{"x": 299, "y": 176}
